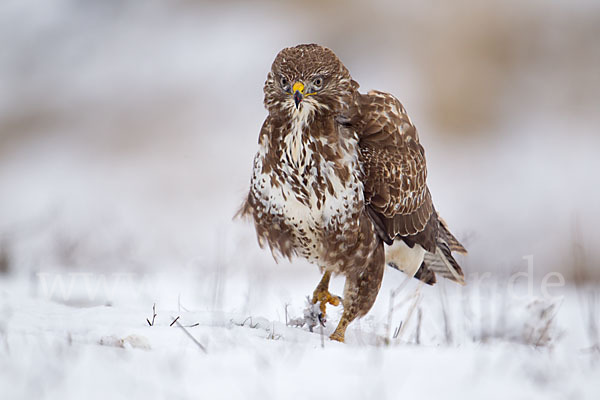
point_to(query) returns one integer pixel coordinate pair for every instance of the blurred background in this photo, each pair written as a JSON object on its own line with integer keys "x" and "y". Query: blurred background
{"x": 128, "y": 129}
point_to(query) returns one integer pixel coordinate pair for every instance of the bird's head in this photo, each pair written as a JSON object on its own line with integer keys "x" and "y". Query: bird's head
{"x": 307, "y": 79}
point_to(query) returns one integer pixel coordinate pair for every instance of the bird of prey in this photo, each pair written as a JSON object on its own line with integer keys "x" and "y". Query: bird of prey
{"x": 340, "y": 179}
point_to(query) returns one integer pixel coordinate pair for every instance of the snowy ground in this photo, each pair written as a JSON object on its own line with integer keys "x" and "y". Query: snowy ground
{"x": 86, "y": 336}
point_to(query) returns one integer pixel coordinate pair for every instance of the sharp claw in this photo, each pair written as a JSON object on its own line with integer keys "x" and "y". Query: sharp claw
{"x": 322, "y": 319}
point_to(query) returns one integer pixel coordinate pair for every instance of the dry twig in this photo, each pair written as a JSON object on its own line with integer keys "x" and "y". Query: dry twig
{"x": 153, "y": 315}
{"x": 411, "y": 310}
{"x": 175, "y": 321}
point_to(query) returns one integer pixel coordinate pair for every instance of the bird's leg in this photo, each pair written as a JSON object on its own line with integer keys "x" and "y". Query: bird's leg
{"x": 322, "y": 295}
{"x": 350, "y": 313}
{"x": 360, "y": 292}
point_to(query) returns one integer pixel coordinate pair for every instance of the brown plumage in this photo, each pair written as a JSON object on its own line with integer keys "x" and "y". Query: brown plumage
{"x": 340, "y": 179}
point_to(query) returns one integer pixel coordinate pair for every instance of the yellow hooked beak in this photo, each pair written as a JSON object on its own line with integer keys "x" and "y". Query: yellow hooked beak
{"x": 298, "y": 90}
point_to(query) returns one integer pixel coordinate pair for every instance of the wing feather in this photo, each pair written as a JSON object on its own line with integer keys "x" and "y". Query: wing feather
{"x": 395, "y": 171}
{"x": 394, "y": 178}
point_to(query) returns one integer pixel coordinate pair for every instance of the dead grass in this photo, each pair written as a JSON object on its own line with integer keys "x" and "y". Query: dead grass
{"x": 487, "y": 318}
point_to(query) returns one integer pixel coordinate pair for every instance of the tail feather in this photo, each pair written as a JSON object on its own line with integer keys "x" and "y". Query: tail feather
{"x": 426, "y": 275}
{"x": 449, "y": 238}
{"x": 442, "y": 262}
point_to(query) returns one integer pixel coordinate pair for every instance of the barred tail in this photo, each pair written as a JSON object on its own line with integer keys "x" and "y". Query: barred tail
{"x": 449, "y": 238}
{"x": 442, "y": 262}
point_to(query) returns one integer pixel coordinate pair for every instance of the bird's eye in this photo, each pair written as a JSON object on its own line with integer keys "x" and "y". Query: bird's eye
{"x": 318, "y": 82}
{"x": 284, "y": 82}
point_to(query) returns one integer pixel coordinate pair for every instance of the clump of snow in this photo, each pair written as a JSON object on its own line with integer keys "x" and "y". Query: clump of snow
{"x": 129, "y": 342}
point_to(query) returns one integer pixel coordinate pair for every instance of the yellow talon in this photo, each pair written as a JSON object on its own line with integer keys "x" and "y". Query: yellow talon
{"x": 337, "y": 337}
{"x": 324, "y": 297}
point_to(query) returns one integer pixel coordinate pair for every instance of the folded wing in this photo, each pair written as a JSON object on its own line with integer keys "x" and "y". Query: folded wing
{"x": 396, "y": 193}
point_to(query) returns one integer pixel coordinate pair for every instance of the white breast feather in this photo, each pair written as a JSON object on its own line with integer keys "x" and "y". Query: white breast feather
{"x": 282, "y": 200}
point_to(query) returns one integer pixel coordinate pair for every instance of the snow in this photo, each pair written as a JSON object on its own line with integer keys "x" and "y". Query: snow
{"x": 57, "y": 345}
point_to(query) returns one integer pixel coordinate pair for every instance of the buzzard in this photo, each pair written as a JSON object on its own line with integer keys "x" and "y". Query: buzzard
{"x": 340, "y": 179}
